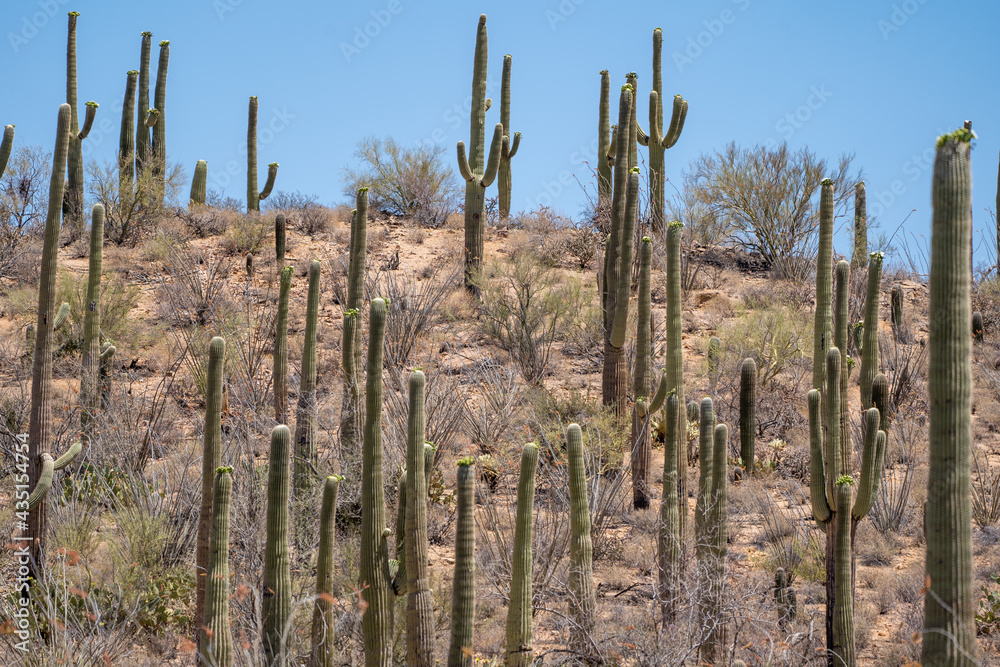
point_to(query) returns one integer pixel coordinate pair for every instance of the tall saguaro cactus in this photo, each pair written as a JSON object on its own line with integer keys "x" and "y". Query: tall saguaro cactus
{"x": 642, "y": 450}
{"x": 509, "y": 143}
{"x": 674, "y": 366}
{"x": 823, "y": 329}
{"x": 253, "y": 197}
{"x": 40, "y": 425}
{"x": 860, "y": 227}
{"x": 276, "y": 608}
{"x": 210, "y": 460}
{"x": 322, "y": 652}
{"x": 126, "y": 140}
{"x": 306, "y": 433}
{"x": 669, "y": 536}
{"x": 419, "y": 604}
{"x": 583, "y": 595}
{"x": 477, "y": 172}
{"x": 216, "y": 636}
{"x": 463, "y": 592}
{"x": 519, "y": 612}
{"x": 280, "y": 365}
{"x": 658, "y": 140}
{"x": 74, "y": 192}
{"x": 90, "y": 393}
{"x": 715, "y": 554}
{"x": 950, "y": 602}
{"x": 604, "y": 139}
{"x": 143, "y": 143}
{"x": 158, "y": 146}
{"x": 869, "y": 347}
{"x": 376, "y": 623}
{"x": 352, "y": 411}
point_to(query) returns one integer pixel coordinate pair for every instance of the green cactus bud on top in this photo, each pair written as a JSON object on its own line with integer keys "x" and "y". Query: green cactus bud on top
{"x": 211, "y": 459}
{"x": 276, "y": 607}
{"x": 216, "y": 636}
{"x": 949, "y": 636}
{"x": 748, "y": 420}
{"x": 199, "y": 184}
{"x": 306, "y": 429}
{"x": 322, "y": 652}
{"x": 463, "y": 592}
{"x": 90, "y": 392}
{"x": 520, "y": 652}
{"x": 376, "y": 623}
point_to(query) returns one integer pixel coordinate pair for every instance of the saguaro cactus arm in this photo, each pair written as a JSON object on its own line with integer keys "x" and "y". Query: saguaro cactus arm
{"x": 5, "y": 147}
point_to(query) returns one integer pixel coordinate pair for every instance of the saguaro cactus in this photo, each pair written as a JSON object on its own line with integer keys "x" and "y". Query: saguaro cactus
{"x": 352, "y": 411}
{"x": 276, "y": 608}
{"x": 658, "y": 140}
{"x": 463, "y": 592}
{"x": 715, "y": 561}
{"x": 419, "y": 605}
{"x": 142, "y": 133}
{"x": 748, "y": 415}
{"x": 199, "y": 184}
{"x": 216, "y": 636}
{"x": 158, "y": 146}
{"x": 784, "y": 596}
{"x": 642, "y": 450}
{"x": 280, "y": 365}
{"x": 126, "y": 140}
{"x": 280, "y": 223}
{"x": 477, "y": 172}
{"x": 860, "y": 255}
{"x": 306, "y": 433}
{"x": 509, "y": 143}
{"x": 977, "y": 327}
{"x": 669, "y": 535}
{"x": 210, "y": 461}
{"x": 40, "y": 424}
{"x": 823, "y": 329}
{"x": 90, "y": 393}
{"x": 583, "y": 596}
{"x": 519, "y": 612}
{"x": 843, "y": 612}
{"x": 322, "y": 652}
{"x": 73, "y": 209}
{"x": 950, "y": 602}
{"x": 869, "y": 347}
{"x": 605, "y": 158}
{"x": 254, "y": 197}
{"x": 377, "y": 620}
{"x": 6, "y": 145}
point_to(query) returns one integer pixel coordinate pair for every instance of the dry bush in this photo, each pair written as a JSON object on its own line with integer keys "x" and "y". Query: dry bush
{"x": 444, "y": 409}
{"x": 985, "y": 492}
{"x": 206, "y": 221}
{"x": 581, "y": 243}
{"x": 493, "y": 413}
{"x": 892, "y": 510}
{"x": 248, "y": 233}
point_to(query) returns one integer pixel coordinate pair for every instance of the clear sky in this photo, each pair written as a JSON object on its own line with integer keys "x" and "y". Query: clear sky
{"x": 880, "y": 78}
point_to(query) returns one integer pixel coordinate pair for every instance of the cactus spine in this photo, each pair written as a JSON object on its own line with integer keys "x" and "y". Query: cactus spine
{"x": 305, "y": 421}
{"x": 463, "y": 592}
{"x": 322, "y": 652}
{"x": 658, "y": 141}
{"x": 40, "y": 425}
{"x": 519, "y": 612}
{"x": 669, "y": 535}
{"x": 216, "y": 637}
{"x": 950, "y": 603}
{"x": 210, "y": 461}
{"x": 352, "y": 410}
{"x": 509, "y": 143}
{"x": 419, "y": 605}
{"x": 199, "y": 184}
{"x": 280, "y": 366}
{"x": 142, "y": 138}
{"x": 860, "y": 227}
{"x": 642, "y": 450}
{"x": 748, "y": 418}
{"x": 276, "y": 608}
{"x": 376, "y": 622}
{"x": 674, "y": 366}
{"x": 869, "y": 347}
{"x": 158, "y": 146}
{"x": 823, "y": 329}
{"x": 254, "y": 197}
{"x": 90, "y": 396}
{"x": 605, "y": 158}
{"x": 126, "y": 141}
{"x": 475, "y": 170}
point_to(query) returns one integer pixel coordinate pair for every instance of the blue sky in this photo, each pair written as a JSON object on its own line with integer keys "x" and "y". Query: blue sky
{"x": 879, "y": 78}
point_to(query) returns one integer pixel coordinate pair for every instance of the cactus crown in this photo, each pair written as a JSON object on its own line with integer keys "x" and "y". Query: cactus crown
{"x": 634, "y": 170}
{"x": 224, "y": 470}
{"x": 133, "y": 72}
{"x": 646, "y": 239}
{"x": 827, "y": 181}
{"x": 146, "y": 33}
{"x": 360, "y": 190}
{"x": 287, "y": 271}
{"x": 350, "y": 312}
{"x": 961, "y": 134}
{"x": 73, "y": 14}
{"x": 465, "y": 461}
{"x": 877, "y": 255}
{"x": 273, "y": 164}
{"x": 165, "y": 42}
{"x": 675, "y": 224}
{"x": 153, "y": 112}
{"x": 93, "y": 104}
{"x": 627, "y": 87}
{"x": 845, "y": 479}
{"x": 336, "y": 478}
{"x": 603, "y": 71}
{"x": 631, "y": 75}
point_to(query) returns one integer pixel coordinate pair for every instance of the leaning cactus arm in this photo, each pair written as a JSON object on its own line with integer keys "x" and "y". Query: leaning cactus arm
{"x": 654, "y": 113}
{"x": 152, "y": 115}
{"x": 272, "y": 173}
{"x": 515, "y": 142}
{"x": 88, "y": 119}
{"x": 463, "y": 163}
{"x": 676, "y": 122}
{"x": 661, "y": 394}
{"x": 494, "y": 163}
{"x": 68, "y": 457}
{"x": 61, "y": 317}
{"x": 870, "y": 469}
{"x": 817, "y": 467}
{"x": 5, "y": 147}
{"x": 44, "y": 482}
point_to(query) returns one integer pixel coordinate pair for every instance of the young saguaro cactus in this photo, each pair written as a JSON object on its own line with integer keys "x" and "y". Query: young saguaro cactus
{"x": 6, "y": 145}
{"x": 280, "y": 365}
{"x": 748, "y": 416}
{"x": 216, "y": 636}
{"x": 90, "y": 393}
{"x": 306, "y": 434}
{"x": 784, "y": 596}
{"x": 463, "y": 592}
{"x": 642, "y": 450}
{"x": 253, "y": 197}
{"x": 419, "y": 603}
{"x": 520, "y": 652}
{"x": 199, "y": 184}
{"x": 126, "y": 140}
{"x": 823, "y": 328}
{"x": 322, "y": 653}
{"x": 860, "y": 227}
{"x": 950, "y": 602}
{"x": 352, "y": 411}
{"x": 475, "y": 170}
{"x": 510, "y": 142}
{"x": 977, "y": 327}
{"x": 276, "y": 607}
{"x": 40, "y": 424}
{"x": 210, "y": 461}
{"x": 376, "y": 623}
{"x": 659, "y": 140}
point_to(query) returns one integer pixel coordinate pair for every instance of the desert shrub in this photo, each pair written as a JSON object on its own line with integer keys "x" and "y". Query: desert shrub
{"x": 304, "y": 212}
{"x": 778, "y": 338}
{"x": 985, "y": 492}
{"x": 248, "y": 233}
{"x": 118, "y": 299}
{"x": 581, "y": 243}
{"x": 133, "y": 216}
{"x": 986, "y": 299}
{"x": 492, "y": 414}
{"x": 891, "y": 511}
{"x": 206, "y": 221}
{"x": 542, "y": 233}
